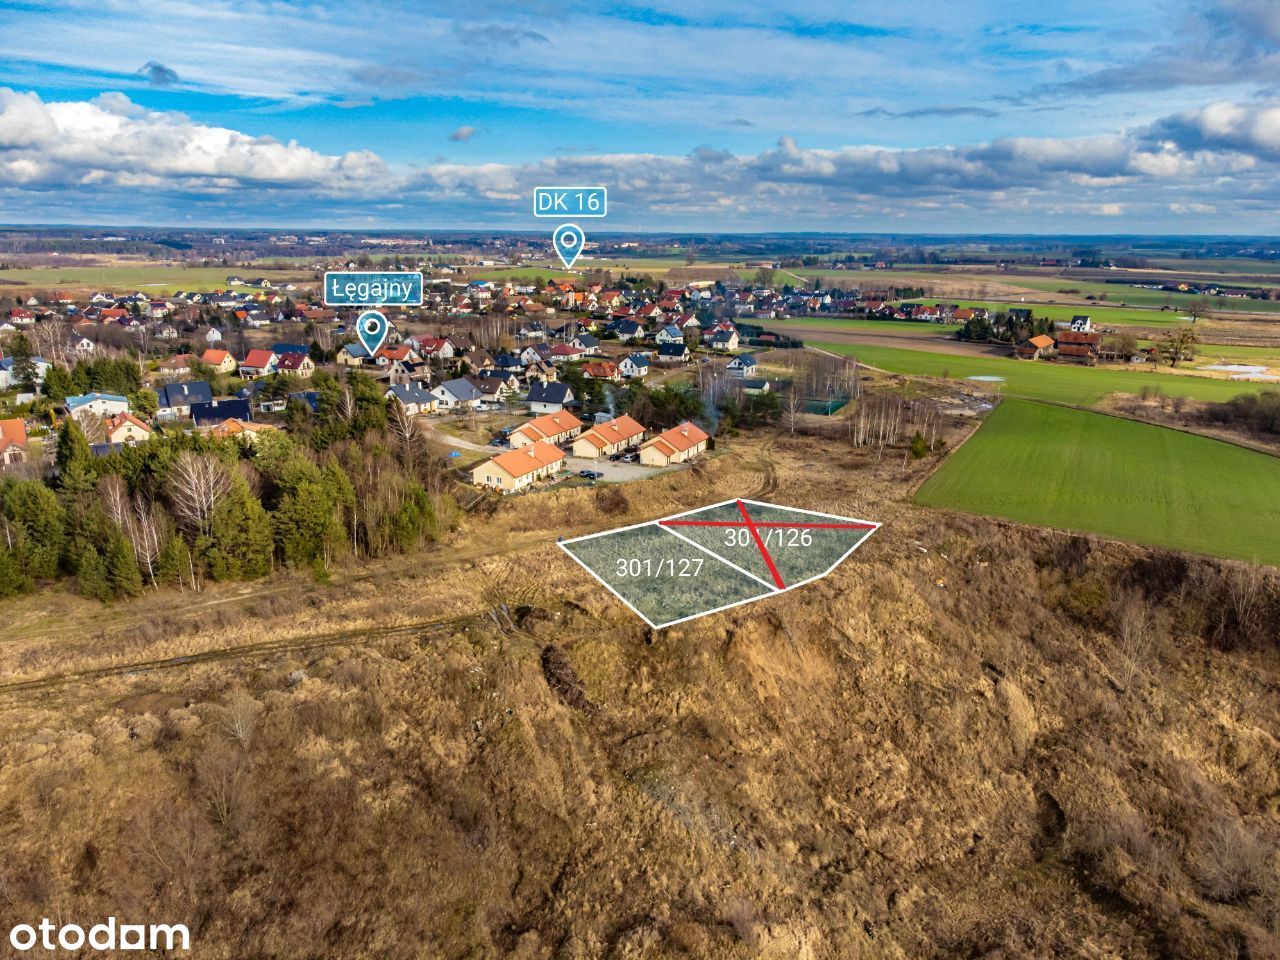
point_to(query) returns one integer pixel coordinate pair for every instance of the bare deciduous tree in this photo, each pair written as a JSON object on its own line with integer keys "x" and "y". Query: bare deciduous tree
{"x": 197, "y": 483}
{"x": 1134, "y": 638}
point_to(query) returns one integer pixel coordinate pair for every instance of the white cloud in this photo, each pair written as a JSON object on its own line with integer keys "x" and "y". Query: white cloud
{"x": 1209, "y": 162}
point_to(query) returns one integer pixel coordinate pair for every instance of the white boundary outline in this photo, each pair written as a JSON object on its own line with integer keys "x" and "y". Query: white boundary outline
{"x": 772, "y": 588}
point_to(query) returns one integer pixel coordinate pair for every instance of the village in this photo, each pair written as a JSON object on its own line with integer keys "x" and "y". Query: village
{"x": 529, "y": 375}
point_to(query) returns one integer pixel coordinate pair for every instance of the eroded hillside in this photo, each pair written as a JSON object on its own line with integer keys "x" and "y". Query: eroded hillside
{"x": 972, "y": 739}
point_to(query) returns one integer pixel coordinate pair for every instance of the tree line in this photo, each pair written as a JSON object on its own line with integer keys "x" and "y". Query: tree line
{"x": 184, "y": 509}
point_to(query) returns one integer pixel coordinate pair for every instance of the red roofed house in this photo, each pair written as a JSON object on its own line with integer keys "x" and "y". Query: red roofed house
{"x": 296, "y": 365}
{"x": 13, "y": 441}
{"x": 682, "y": 442}
{"x": 258, "y": 363}
{"x": 517, "y": 469}
{"x": 606, "y": 439}
{"x": 601, "y": 370}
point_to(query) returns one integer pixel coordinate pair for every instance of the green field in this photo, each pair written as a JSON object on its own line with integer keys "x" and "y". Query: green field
{"x": 1103, "y": 316}
{"x": 853, "y": 324}
{"x": 1036, "y": 380}
{"x": 161, "y": 279}
{"x": 1118, "y": 293}
{"x": 1077, "y": 470}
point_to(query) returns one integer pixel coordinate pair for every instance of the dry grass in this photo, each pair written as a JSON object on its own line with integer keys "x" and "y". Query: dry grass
{"x": 872, "y": 766}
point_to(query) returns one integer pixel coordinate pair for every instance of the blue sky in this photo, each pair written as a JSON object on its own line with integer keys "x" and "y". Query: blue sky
{"x": 931, "y": 116}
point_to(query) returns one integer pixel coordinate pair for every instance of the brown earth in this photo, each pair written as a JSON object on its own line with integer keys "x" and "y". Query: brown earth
{"x": 972, "y": 739}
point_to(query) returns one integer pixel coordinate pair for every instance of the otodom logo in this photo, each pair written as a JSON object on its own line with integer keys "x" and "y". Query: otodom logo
{"x": 110, "y": 935}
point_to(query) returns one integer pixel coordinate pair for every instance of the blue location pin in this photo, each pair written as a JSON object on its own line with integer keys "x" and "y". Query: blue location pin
{"x": 568, "y": 241}
{"x": 372, "y": 328}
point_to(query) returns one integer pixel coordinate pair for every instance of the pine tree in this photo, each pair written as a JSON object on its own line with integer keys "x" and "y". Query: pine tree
{"x": 122, "y": 567}
{"x": 12, "y": 578}
{"x": 41, "y": 524}
{"x": 91, "y": 573}
{"x": 74, "y": 460}
{"x": 58, "y": 384}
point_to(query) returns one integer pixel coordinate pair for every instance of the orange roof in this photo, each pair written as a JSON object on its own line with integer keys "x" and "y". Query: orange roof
{"x": 214, "y": 357}
{"x": 13, "y": 431}
{"x": 618, "y": 430}
{"x": 257, "y": 359}
{"x": 681, "y": 437}
{"x": 549, "y": 425}
{"x": 529, "y": 458}
{"x": 1043, "y": 341}
{"x": 120, "y": 419}
{"x": 231, "y": 426}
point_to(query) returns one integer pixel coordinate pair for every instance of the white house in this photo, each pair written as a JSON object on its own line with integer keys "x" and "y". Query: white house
{"x": 669, "y": 334}
{"x": 742, "y": 366}
{"x": 634, "y": 366}
{"x": 414, "y": 398}
{"x": 457, "y": 394}
{"x": 102, "y": 404}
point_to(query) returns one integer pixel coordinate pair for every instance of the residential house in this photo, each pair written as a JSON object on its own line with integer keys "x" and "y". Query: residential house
{"x": 564, "y": 352}
{"x": 626, "y": 330}
{"x": 7, "y": 379}
{"x": 176, "y": 398}
{"x": 549, "y": 397}
{"x": 100, "y": 404}
{"x": 413, "y": 397}
{"x": 634, "y": 367}
{"x": 214, "y": 412}
{"x": 295, "y": 365}
{"x": 669, "y": 334}
{"x": 13, "y": 441}
{"x": 353, "y": 355}
{"x": 549, "y": 428}
{"x": 673, "y": 353}
{"x": 247, "y": 432}
{"x": 176, "y": 366}
{"x": 681, "y": 443}
{"x": 743, "y": 365}
{"x": 81, "y": 346}
{"x": 586, "y": 343}
{"x": 724, "y": 340}
{"x": 601, "y": 370}
{"x": 258, "y": 363}
{"x": 606, "y": 439}
{"x": 459, "y": 394}
{"x": 208, "y": 335}
{"x": 517, "y": 469}
{"x": 220, "y": 360}
{"x": 126, "y": 428}
{"x": 536, "y": 353}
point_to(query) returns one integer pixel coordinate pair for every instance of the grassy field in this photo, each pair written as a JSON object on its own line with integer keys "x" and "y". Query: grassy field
{"x": 1040, "y": 381}
{"x": 160, "y": 279}
{"x": 1084, "y": 471}
{"x": 1120, "y": 293}
{"x": 1103, "y": 316}
{"x": 858, "y": 323}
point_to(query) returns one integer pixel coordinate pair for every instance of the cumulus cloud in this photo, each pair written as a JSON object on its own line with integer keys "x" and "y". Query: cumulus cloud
{"x": 110, "y": 140}
{"x": 1220, "y": 159}
{"x": 462, "y": 134}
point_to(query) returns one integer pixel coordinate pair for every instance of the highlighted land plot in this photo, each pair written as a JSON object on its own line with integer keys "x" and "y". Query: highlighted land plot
{"x": 707, "y": 560}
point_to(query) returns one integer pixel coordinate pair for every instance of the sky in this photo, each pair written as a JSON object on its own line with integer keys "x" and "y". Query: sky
{"x": 979, "y": 116}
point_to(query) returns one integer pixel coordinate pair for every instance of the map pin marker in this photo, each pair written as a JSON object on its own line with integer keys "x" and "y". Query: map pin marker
{"x": 372, "y": 329}
{"x": 568, "y": 241}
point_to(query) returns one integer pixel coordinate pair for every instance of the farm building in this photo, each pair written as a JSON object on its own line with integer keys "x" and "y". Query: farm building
{"x": 1034, "y": 348}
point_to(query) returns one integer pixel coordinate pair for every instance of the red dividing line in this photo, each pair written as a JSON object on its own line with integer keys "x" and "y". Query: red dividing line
{"x": 760, "y": 543}
{"x": 735, "y": 523}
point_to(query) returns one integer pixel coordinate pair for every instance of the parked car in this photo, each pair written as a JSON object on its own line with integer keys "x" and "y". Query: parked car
{"x": 590, "y": 474}
{"x": 615, "y": 457}
{"x": 629, "y": 458}
{"x": 499, "y": 442}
